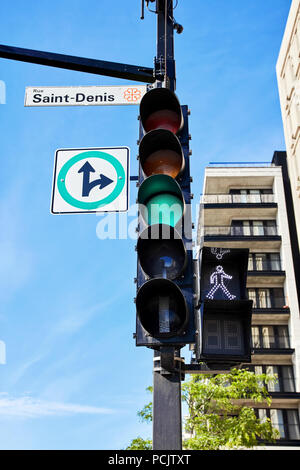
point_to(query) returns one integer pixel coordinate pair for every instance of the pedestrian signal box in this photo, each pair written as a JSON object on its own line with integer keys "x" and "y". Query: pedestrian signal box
{"x": 224, "y": 329}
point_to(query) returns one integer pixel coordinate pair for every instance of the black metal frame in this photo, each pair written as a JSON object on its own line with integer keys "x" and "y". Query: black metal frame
{"x": 227, "y": 310}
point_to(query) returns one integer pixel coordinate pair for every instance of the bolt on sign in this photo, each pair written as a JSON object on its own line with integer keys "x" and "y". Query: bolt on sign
{"x": 84, "y": 95}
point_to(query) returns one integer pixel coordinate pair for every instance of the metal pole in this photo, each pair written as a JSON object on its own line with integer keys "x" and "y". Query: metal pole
{"x": 165, "y": 42}
{"x": 167, "y": 419}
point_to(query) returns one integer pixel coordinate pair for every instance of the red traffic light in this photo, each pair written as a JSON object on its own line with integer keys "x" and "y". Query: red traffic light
{"x": 160, "y": 109}
{"x": 163, "y": 119}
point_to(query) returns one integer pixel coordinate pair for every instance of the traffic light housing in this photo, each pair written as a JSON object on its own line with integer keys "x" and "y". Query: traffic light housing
{"x": 160, "y": 109}
{"x": 165, "y": 296}
{"x": 224, "y": 327}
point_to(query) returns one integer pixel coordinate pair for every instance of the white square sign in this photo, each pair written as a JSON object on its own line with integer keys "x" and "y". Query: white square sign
{"x": 90, "y": 180}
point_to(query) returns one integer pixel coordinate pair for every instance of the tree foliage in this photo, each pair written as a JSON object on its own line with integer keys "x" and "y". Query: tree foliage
{"x": 221, "y": 411}
{"x": 218, "y": 415}
{"x": 140, "y": 444}
{"x": 146, "y": 413}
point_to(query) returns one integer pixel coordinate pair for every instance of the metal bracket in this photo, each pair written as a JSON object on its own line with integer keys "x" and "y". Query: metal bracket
{"x": 168, "y": 363}
{"x": 203, "y": 368}
{"x": 160, "y": 65}
{"x": 159, "y": 68}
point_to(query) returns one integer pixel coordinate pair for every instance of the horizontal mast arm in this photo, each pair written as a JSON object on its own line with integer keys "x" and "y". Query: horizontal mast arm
{"x": 80, "y": 64}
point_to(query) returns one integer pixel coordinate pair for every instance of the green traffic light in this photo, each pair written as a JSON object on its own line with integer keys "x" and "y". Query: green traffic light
{"x": 164, "y": 209}
{"x": 161, "y": 200}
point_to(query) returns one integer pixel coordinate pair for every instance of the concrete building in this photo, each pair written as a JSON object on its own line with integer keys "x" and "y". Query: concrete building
{"x": 288, "y": 76}
{"x": 245, "y": 206}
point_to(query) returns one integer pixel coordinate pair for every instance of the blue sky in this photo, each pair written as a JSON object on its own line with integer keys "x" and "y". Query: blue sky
{"x": 73, "y": 378}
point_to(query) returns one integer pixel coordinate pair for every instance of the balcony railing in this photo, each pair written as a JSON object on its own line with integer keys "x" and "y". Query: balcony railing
{"x": 242, "y": 231}
{"x": 241, "y": 164}
{"x": 237, "y": 198}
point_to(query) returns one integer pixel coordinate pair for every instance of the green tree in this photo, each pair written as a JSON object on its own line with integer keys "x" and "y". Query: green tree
{"x": 220, "y": 411}
{"x": 140, "y": 444}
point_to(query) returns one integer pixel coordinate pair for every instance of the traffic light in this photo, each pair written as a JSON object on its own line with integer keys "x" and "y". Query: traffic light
{"x": 164, "y": 301}
{"x": 225, "y": 312}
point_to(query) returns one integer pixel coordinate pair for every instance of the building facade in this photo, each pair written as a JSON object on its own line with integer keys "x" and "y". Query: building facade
{"x": 244, "y": 206}
{"x": 288, "y": 77}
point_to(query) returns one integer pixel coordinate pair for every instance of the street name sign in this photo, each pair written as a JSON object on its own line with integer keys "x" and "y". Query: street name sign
{"x": 90, "y": 180}
{"x": 84, "y": 95}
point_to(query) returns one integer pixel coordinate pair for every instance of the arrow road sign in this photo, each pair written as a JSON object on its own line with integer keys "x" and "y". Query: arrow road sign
{"x": 90, "y": 180}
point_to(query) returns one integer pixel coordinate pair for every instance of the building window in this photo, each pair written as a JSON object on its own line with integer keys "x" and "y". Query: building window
{"x": 264, "y": 262}
{"x": 251, "y": 195}
{"x": 270, "y": 337}
{"x": 285, "y": 421}
{"x": 285, "y": 377}
{"x": 251, "y": 191}
{"x": 253, "y": 228}
{"x": 277, "y": 420}
{"x": 267, "y": 297}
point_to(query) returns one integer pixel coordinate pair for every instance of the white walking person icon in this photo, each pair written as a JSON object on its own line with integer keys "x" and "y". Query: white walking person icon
{"x": 217, "y": 279}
